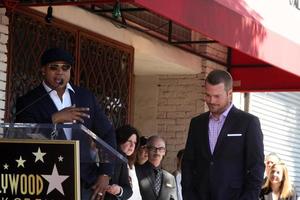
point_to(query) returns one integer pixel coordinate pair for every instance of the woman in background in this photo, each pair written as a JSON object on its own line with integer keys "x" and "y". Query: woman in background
{"x": 270, "y": 159}
{"x": 142, "y": 153}
{"x": 127, "y": 141}
{"x": 177, "y": 173}
{"x": 120, "y": 186}
{"x": 278, "y": 185}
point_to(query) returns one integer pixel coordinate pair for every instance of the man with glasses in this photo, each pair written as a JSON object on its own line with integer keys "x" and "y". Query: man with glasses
{"x": 156, "y": 183}
{"x": 63, "y": 102}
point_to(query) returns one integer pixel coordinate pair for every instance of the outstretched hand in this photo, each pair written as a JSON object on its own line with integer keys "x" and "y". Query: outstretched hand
{"x": 71, "y": 114}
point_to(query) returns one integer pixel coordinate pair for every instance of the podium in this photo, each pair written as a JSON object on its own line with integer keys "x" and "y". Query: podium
{"x": 38, "y": 162}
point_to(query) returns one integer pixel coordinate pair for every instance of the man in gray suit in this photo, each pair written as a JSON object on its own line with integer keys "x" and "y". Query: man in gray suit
{"x": 156, "y": 183}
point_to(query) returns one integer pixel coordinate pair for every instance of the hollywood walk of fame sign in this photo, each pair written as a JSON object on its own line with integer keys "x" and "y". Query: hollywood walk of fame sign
{"x": 39, "y": 169}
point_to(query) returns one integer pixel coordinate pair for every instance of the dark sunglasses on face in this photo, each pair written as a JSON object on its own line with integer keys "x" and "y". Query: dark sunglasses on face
{"x": 55, "y": 67}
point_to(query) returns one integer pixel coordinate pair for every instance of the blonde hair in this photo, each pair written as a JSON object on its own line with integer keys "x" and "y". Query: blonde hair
{"x": 286, "y": 188}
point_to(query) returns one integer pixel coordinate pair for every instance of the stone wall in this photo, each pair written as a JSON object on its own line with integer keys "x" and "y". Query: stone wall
{"x": 145, "y": 104}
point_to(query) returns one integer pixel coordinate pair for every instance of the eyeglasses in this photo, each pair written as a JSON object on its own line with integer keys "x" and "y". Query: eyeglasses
{"x": 63, "y": 66}
{"x": 159, "y": 149}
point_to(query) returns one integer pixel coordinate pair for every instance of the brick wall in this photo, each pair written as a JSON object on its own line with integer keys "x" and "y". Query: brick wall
{"x": 213, "y": 50}
{"x": 179, "y": 99}
{"x": 3, "y": 59}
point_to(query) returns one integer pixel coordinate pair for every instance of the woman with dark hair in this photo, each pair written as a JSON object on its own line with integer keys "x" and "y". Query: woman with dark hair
{"x": 142, "y": 152}
{"x": 127, "y": 142}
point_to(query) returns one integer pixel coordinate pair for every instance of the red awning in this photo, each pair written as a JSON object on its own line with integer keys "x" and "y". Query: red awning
{"x": 251, "y": 74}
{"x": 263, "y": 35}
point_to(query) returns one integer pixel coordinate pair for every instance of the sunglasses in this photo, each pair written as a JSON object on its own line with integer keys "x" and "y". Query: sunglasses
{"x": 55, "y": 67}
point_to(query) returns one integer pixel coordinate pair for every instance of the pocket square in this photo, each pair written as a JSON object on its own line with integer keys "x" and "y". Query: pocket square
{"x": 169, "y": 185}
{"x": 234, "y": 135}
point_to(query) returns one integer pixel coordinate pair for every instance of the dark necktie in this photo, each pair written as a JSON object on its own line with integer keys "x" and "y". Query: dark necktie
{"x": 157, "y": 180}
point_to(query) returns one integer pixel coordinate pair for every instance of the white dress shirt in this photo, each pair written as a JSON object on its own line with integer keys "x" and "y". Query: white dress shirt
{"x": 61, "y": 104}
{"x": 136, "y": 195}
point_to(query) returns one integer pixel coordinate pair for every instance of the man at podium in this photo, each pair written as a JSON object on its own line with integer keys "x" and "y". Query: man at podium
{"x": 56, "y": 100}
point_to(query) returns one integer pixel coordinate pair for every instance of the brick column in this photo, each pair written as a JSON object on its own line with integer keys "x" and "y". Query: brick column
{"x": 4, "y": 22}
{"x": 180, "y": 98}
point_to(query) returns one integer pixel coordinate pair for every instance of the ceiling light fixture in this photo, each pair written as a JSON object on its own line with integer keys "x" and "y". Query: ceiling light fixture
{"x": 49, "y": 15}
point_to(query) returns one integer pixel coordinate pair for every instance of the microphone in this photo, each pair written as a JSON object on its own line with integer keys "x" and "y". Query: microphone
{"x": 61, "y": 82}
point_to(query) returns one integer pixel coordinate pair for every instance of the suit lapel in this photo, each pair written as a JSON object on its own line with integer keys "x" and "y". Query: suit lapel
{"x": 200, "y": 133}
{"x": 168, "y": 187}
{"x": 150, "y": 179}
{"x": 229, "y": 121}
{"x": 204, "y": 128}
{"x": 148, "y": 173}
{"x": 162, "y": 191}
{"x": 73, "y": 97}
{"x": 47, "y": 103}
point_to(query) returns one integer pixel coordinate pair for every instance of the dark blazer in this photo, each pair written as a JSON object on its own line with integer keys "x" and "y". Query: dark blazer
{"x": 120, "y": 178}
{"x": 266, "y": 194}
{"x": 42, "y": 111}
{"x": 235, "y": 170}
{"x": 145, "y": 176}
